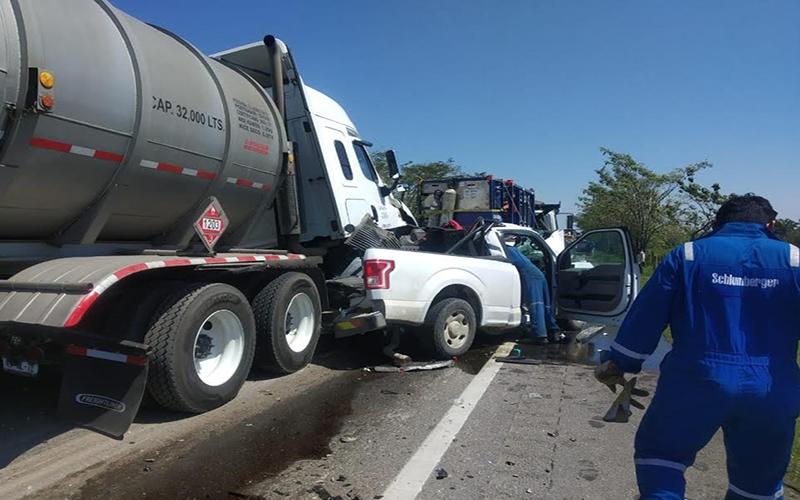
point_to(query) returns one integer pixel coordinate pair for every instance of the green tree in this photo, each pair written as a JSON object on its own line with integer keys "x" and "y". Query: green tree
{"x": 659, "y": 210}
{"x": 700, "y": 202}
{"x": 788, "y": 230}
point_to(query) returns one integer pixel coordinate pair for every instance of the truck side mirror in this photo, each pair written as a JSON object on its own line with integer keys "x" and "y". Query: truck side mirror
{"x": 394, "y": 172}
{"x": 391, "y": 162}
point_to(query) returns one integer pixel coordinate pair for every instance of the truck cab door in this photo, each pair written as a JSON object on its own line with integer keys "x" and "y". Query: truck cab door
{"x": 597, "y": 277}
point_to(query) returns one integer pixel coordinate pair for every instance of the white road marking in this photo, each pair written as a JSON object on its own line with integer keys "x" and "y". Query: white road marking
{"x": 409, "y": 481}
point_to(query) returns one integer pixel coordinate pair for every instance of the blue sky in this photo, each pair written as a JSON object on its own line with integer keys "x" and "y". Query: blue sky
{"x": 531, "y": 89}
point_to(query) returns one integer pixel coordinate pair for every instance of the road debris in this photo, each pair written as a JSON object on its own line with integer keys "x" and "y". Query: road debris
{"x": 588, "y": 334}
{"x": 441, "y": 473}
{"x": 518, "y": 359}
{"x": 348, "y": 439}
{"x": 415, "y": 366}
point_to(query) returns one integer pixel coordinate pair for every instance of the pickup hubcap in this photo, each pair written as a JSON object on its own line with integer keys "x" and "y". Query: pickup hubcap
{"x": 456, "y": 329}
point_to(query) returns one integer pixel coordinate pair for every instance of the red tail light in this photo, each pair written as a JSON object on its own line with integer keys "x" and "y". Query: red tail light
{"x": 376, "y": 274}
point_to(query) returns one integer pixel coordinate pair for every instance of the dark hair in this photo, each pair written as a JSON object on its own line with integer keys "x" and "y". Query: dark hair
{"x": 746, "y": 208}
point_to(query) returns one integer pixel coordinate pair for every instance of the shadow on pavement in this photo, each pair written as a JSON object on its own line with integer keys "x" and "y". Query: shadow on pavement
{"x": 28, "y": 413}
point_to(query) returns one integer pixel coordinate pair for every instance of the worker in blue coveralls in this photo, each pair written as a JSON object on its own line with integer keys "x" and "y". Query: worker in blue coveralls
{"x": 732, "y": 300}
{"x": 536, "y": 295}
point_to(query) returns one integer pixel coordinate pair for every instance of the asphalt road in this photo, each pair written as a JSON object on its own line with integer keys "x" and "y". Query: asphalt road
{"x": 480, "y": 429}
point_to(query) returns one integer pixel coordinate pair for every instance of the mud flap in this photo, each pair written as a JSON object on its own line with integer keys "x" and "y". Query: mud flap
{"x": 102, "y": 387}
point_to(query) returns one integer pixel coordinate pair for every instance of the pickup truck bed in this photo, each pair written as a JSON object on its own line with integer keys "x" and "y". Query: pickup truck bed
{"x": 419, "y": 279}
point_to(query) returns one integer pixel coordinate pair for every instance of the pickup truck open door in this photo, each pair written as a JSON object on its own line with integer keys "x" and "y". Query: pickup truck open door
{"x": 597, "y": 277}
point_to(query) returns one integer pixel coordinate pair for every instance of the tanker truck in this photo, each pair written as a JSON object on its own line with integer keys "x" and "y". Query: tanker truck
{"x": 167, "y": 219}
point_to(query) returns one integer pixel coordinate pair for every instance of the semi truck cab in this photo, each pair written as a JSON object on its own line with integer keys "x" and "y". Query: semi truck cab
{"x": 335, "y": 174}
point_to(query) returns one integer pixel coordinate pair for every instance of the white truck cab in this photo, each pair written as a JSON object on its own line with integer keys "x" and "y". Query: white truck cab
{"x": 336, "y": 180}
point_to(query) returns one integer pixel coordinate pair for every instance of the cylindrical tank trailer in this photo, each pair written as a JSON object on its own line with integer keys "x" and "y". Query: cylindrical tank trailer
{"x": 115, "y": 130}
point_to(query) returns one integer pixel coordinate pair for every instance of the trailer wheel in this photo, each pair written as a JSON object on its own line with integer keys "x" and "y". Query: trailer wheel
{"x": 288, "y": 322}
{"x": 203, "y": 342}
{"x": 450, "y": 327}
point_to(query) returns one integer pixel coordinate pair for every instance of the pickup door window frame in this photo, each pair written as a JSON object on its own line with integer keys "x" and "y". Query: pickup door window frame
{"x": 626, "y": 275}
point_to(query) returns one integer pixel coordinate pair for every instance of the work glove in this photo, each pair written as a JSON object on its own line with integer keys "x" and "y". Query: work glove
{"x": 611, "y": 375}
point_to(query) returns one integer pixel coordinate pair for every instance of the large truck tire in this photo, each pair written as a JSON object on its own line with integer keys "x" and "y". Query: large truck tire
{"x": 288, "y": 323}
{"x": 203, "y": 341}
{"x": 450, "y": 327}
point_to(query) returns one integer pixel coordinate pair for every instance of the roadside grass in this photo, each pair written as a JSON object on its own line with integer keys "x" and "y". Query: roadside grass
{"x": 792, "y": 478}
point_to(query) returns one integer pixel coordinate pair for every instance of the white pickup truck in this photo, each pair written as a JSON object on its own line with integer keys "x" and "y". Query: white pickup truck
{"x": 473, "y": 285}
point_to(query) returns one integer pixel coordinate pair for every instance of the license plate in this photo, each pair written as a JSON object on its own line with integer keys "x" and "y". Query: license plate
{"x": 21, "y": 367}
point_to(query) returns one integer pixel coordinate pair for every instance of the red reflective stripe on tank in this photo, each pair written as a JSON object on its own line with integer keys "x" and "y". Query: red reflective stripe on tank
{"x": 63, "y": 147}
{"x": 39, "y": 142}
{"x": 105, "y": 155}
{"x": 248, "y": 183}
{"x": 247, "y": 258}
{"x": 169, "y": 167}
{"x": 176, "y": 169}
{"x": 292, "y": 256}
{"x": 203, "y": 174}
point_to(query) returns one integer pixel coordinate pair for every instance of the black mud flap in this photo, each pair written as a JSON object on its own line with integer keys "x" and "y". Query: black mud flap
{"x": 103, "y": 386}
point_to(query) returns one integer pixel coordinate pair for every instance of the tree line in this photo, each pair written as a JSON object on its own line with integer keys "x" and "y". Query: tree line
{"x": 660, "y": 210}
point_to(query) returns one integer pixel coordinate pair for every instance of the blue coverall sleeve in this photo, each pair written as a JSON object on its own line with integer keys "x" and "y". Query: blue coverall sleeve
{"x": 649, "y": 316}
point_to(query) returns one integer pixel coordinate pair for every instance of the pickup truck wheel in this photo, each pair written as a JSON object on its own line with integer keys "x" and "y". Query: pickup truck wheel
{"x": 451, "y": 324}
{"x": 203, "y": 342}
{"x": 288, "y": 318}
